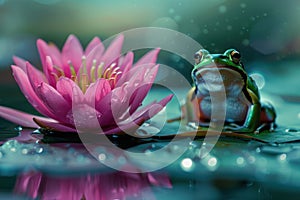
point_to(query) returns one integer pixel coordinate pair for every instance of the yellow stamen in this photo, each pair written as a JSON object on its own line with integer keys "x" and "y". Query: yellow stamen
{"x": 92, "y": 72}
{"x": 72, "y": 69}
{"x": 100, "y": 69}
{"x": 115, "y": 71}
{"x": 84, "y": 82}
{"x": 74, "y": 78}
{"x": 83, "y": 61}
{"x": 105, "y": 74}
{"x": 55, "y": 76}
{"x": 116, "y": 76}
{"x": 59, "y": 70}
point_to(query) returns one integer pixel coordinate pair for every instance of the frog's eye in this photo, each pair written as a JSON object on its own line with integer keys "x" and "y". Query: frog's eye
{"x": 198, "y": 57}
{"x": 235, "y": 56}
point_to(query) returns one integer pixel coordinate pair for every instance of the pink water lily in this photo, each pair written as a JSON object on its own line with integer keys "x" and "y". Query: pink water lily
{"x": 80, "y": 87}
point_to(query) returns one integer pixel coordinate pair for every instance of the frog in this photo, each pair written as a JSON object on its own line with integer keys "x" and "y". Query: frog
{"x": 225, "y": 72}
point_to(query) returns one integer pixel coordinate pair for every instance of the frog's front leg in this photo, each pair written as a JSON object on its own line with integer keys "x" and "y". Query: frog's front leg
{"x": 267, "y": 118}
{"x": 251, "y": 123}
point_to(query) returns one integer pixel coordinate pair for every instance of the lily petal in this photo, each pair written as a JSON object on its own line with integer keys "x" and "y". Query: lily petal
{"x": 66, "y": 87}
{"x": 72, "y": 52}
{"x": 129, "y": 127}
{"x": 35, "y": 76}
{"x": 94, "y": 43}
{"x": 20, "y": 118}
{"x": 150, "y": 57}
{"x": 48, "y": 50}
{"x": 152, "y": 109}
{"x": 127, "y": 62}
{"x": 94, "y": 55}
{"x": 55, "y": 54}
{"x": 143, "y": 89}
{"x": 25, "y": 86}
{"x": 20, "y": 62}
{"x": 113, "y": 51}
{"x": 54, "y": 102}
{"x": 97, "y": 91}
{"x": 54, "y": 126}
{"x": 49, "y": 68}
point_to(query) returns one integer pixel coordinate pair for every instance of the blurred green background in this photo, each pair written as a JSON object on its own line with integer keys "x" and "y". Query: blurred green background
{"x": 259, "y": 29}
{"x": 267, "y": 33}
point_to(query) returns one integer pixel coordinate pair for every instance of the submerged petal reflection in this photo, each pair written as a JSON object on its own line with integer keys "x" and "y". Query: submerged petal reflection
{"x": 114, "y": 185}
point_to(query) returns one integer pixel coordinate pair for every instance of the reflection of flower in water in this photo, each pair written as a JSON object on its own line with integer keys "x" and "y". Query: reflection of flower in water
{"x": 116, "y": 185}
{"x": 98, "y": 84}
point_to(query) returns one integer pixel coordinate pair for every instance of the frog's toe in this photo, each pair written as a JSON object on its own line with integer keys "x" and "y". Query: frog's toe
{"x": 266, "y": 126}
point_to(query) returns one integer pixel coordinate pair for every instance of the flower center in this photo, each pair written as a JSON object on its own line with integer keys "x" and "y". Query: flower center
{"x": 84, "y": 77}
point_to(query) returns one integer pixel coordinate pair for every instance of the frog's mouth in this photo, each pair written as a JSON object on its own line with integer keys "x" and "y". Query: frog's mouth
{"x": 220, "y": 78}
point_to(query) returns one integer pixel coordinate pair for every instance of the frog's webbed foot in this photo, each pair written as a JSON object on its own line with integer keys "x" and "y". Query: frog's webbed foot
{"x": 266, "y": 127}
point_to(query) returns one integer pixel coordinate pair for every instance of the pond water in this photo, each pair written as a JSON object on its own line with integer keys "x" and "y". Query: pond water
{"x": 43, "y": 167}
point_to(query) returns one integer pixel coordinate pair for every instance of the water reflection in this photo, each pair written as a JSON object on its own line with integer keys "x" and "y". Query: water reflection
{"x": 115, "y": 185}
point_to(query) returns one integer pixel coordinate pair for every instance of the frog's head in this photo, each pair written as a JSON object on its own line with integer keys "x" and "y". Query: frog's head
{"x": 230, "y": 58}
{"x": 214, "y": 70}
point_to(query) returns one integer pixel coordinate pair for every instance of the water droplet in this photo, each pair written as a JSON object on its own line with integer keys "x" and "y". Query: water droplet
{"x": 258, "y": 150}
{"x": 18, "y": 128}
{"x": 291, "y": 130}
{"x": 243, "y": 5}
{"x": 282, "y": 157}
{"x": 245, "y": 42}
{"x": 102, "y": 157}
{"x": 187, "y": 164}
{"x": 240, "y": 161}
{"x": 229, "y": 27}
{"x": 212, "y": 162}
{"x": 222, "y": 9}
{"x": 251, "y": 159}
{"x": 205, "y": 31}
{"x": 39, "y": 149}
{"x": 171, "y": 10}
{"x": 24, "y": 151}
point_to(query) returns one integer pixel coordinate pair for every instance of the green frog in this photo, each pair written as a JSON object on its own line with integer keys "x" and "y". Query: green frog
{"x": 245, "y": 113}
